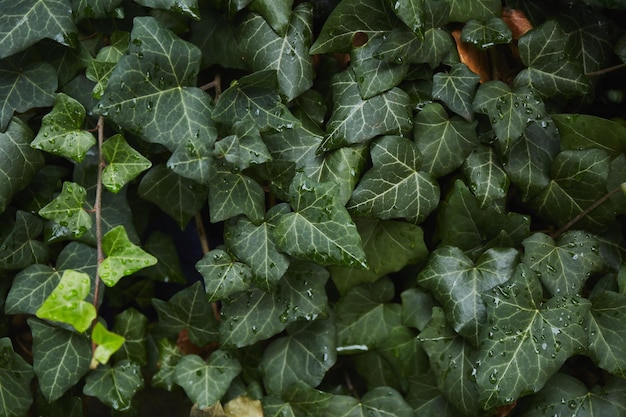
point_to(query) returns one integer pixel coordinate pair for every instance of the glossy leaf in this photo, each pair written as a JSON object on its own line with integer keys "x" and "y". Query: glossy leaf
{"x": 107, "y": 343}
{"x": 60, "y": 358}
{"x": 464, "y": 10}
{"x": 15, "y": 377}
{"x": 299, "y": 401}
{"x": 456, "y": 89}
{"x": 486, "y": 176}
{"x": 379, "y": 402}
{"x": 403, "y": 46}
{"x": 583, "y": 131}
{"x": 169, "y": 356}
{"x": 123, "y": 163}
{"x": 99, "y": 72}
{"x": 115, "y": 386}
{"x": 215, "y": 37}
{"x": 486, "y": 35}
{"x": 223, "y": 275}
{"x": 411, "y": 13}
{"x": 206, "y": 382}
{"x": 189, "y": 8}
{"x": 132, "y": 326}
{"x": 275, "y": 13}
{"x": 606, "y": 335}
{"x": 22, "y": 247}
{"x": 84, "y": 9}
{"x": 319, "y": 229}
{"x": 67, "y": 209}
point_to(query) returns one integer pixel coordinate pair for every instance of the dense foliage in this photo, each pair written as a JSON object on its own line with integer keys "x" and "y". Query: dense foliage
{"x": 351, "y": 208}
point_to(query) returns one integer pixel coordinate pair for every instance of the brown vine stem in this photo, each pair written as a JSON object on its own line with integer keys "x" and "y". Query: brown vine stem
{"x": 606, "y": 70}
{"x": 97, "y": 206}
{"x": 585, "y": 212}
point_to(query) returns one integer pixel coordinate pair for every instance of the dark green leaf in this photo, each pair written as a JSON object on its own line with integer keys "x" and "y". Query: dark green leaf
{"x": 215, "y": 37}
{"x": 299, "y": 401}
{"x": 223, "y": 275}
{"x": 276, "y": 13}
{"x": 379, "y": 402}
{"x": 84, "y": 9}
{"x": 115, "y": 386}
{"x": 15, "y": 377}
{"x": 583, "y": 131}
{"x": 485, "y": 176}
{"x": 456, "y": 89}
{"x": 402, "y": 46}
{"x": 411, "y": 12}
{"x": 464, "y": 10}
{"x": 22, "y": 247}
{"x": 131, "y": 324}
{"x": 417, "y": 307}
{"x": 99, "y": 72}
{"x": 169, "y": 356}
{"x": 486, "y": 35}
{"x": 124, "y": 163}
{"x": 67, "y": 210}
{"x": 606, "y": 334}
{"x": 426, "y": 399}
{"x": 187, "y": 8}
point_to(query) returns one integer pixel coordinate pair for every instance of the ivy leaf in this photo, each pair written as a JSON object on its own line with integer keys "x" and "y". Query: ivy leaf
{"x": 411, "y": 13}
{"x": 60, "y": 358}
{"x": 457, "y": 283}
{"x": 254, "y": 98}
{"x": 66, "y": 302}
{"x": 169, "y": 356}
{"x": 61, "y": 130}
{"x": 123, "y": 257}
{"x": 25, "y": 23}
{"x": 456, "y": 89}
{"x": 179, "y": 197}
{"x": 417, "y": 307}
{"x": 452, "y": 360}
{"x": 352, "y": 116}
{"x": 583, "y": 131}
{"x": 131, "y": 325}
{"x": 115, "y": 386}
{"x": 124, "y": 163}
{"x": 389, "y": 246}
{"x": 24, "y": 160}
{"x": 187, "y": 310}
{"x": 15, "y": 377}
{"x": 255, "y": 246}
{"x": 84, "y": 9}
{"x": 403, "y": 46}
{"x": 379, "y": 402}
{"x": 22, "y": 247}
{"x": 299, "y": 401}
{"x": 464, "y": 10}
{"x": 151, "y": 93}
{"x": 563, "y": 266}
{"x": 486, "y": 176}
{"x": 288, "y": 54}
{"x": 305, "y": 354}
{"x": 550, "y": 70}
{"x": 509, "y": 111}
{"x": 536, "y": 338}
{"x": 206, "y": 382}
{"x": 275, "y": 13}
{"x": 349, "y": 18}
{"x": 188, "y": 8}
{"x": 215, "y": 37}
{"x": 485, "y": 35}
{"x": 395, "y": 187}
{"x": 99, "y": 72}
{"x": 223, "y": 275}
{"x": 443, "y": 142}
{"x": 67, "y": 210}
{"x": 320, "y": 229}
{"x": 107, "y": 343}
{"x": 425, "y": 397}
{"x": 606, "y": 339}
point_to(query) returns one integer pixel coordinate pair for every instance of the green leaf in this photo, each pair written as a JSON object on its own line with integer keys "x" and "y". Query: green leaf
{"x": 458, "y": 283}
{"x": 169, "y": 356}
{"x": 67, "y": 210}
{"x": 550, "y": 70}
{"x": 123, "y": 258}
{"x": 99, "y": 72}
{"x": 60, "y": 358}
{"x": 389, "y": 246}
{"x": 123, "y": 163}
{"x": 188, "y": 8}
{"x": 22, "y": 247}
{"x": 456, "y": 89}
{"x": 319, "y": 229}
{"x": 352, "y": 116}
{"x": 403, "y": 46}
{"x": 395, "y": 187}
{"x": 464, "y": 10}
{"x": 107, "y": 343}
{"x": 379, "y": 402}
{"x": 179, "y": 197}
{"x": 223, "y": 275}
{"x": 15, "y": 377}
{"x": 151, "y": 93}
{"x": 411, "y": 13}
{"x": 536, "y": 338}
{"x": 426, "y": 398}
{"x": 131, "y": 325}
{"x": 276, "y": 13}
{"x": 206, "y": 382}
{"x": 486, "y": 176}
{"x": 188, "y": 310}
{"x": 299, "y": 401}
{"x": 606, "y": 335}
{"x": 115, "y": 386}
{"x": 61, "y": 130}
{"x": 563, "y": 266}
{"x": 485, "y": 35}
{"x": 304, "y": 355}
{"x": 417, "y": 307}
{"x": 443, "y": 142}
{"x": 583, "y": 131}
{"x": 350, "y": 17}
{"x": 22, "y": 162}
{"x": 288, "y": 54}
{"x": 254, "y": 98}
{"x": 215, "y": 37}
{"x": 509, "y": 111}
{"x": 25, "y": 23}
{"x": 84, "y": 9}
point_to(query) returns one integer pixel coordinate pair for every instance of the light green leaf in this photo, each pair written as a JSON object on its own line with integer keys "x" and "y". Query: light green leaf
{"x": 22, "y": 246}
{"x": 123, "y": 163}
{"x": 486, "y": 176}
{"x": 254, "y": 98}
{"x": 305, "y": 354}
{"x": 115, "y": 386}
{"x": 188, "y": 8}
{"x": 443, "y": 142}
{"x": 369, "y": 17}
{"x": 20, "y": 161}
{"x": 179, "y": 197}
{"x": 456, "y": 89}
{"x": 123, "y": 258}
{"x": 223, "y": 275}
{"x": 563, "y": 266}
{"x": 287, "y": 54}
{"x": 131, "y": 325}
{"x": 464, "y": 10}
{"x": 206, "y": 382}
{"x": 607, "y": 344}
{"x": 583, "y": 131}
{"x": 60, "y": 358}
{"x": 389, "y": 246}
{"x": 536, "y": 338}
{"x": 61, "y": 130}
{"x": 25, "y": 23}
{"x": 276, "y": 13}
{"x": 379, "y": 402}
{"x": 458, "y": 283}
{"x": 319, "y": 229}
{"x": 66, "y": 302}
{"x": 550, "y": 70}
{"x": 169, "y": 356}
{"x": 67, "y": 210}
{"x": 107, "y": 343}
{"x": 15, "y": 377}
{"x": 395, "y": 187}
{"x": 355, "y": 120}
{"x": 488, "y": 34}
{"x": 411, "y": 12}
{"x": 187, "y": 310}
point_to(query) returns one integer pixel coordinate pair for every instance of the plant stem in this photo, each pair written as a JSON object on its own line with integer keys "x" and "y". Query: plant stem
{"x": 97, "y": 206}
{"x": 606, "y": 70}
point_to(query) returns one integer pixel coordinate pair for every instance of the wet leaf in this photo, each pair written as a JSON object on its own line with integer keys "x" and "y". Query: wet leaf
{"x": 583, "y": 131}
{"x": 124, "y": 163}
{"x": 606, "y": 336}
{"x": 456, "y": 89}
{"x": 223, "y": 275}
{"x": 486, "y": 176}
{"x": 188, "y": 8}
{"x": 115, "y": 386}
{"x": 488, "y": 34}
{"x": 132, "y": 326}
{"x": 107, "y": 343}
{"x": 379, "y": 402}
{"x": 67, "y": 209}
{"x": 464, "y": 10}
